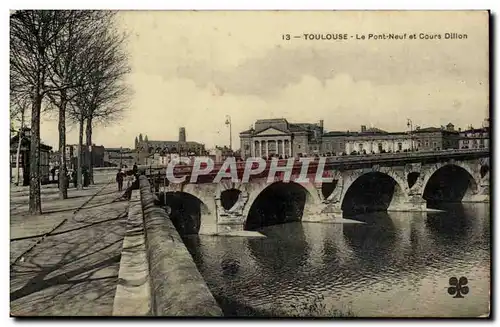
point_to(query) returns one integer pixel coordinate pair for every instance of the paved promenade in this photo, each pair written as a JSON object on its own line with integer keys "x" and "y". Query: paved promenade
{"x": 74, "y": 269}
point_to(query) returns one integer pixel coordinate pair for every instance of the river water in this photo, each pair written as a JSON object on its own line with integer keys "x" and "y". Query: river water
{"x": 391, "y": 265}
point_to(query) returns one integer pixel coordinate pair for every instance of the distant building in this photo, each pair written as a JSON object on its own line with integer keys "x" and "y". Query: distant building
{"x": 334, "y": 143}
{"x": 219, "y": 154}
{"x": 144, "y": 148}
{"x": 24, "y": 159}
{"x": 98, "y": 155}
{"x": 114, "y": 157}
{"x": 71, "y": 153}
{"x": 475, "y": 138}
{"x": 374, "y": 140}
{"x": 182, "y": 134}
{"x": 435, "y": 138}
{"x": 279, "y": 138}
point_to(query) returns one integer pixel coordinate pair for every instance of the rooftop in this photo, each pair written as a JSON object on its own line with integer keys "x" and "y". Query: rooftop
{"x": 26, "y": 142}
{"x": 170, "y": 143}
{"x": 272, "y": 120}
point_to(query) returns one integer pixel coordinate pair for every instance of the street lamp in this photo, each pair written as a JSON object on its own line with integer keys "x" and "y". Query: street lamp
{"x": 228, "y": 122}
{"x": 410, "y": 126}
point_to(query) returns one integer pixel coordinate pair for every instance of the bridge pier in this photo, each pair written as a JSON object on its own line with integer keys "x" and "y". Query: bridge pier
{"x": 482, "y": 194}
{"x": 230, "y": 223}
{"x": 218, "y": 220}
{"x": 477, "y": 198}
{"x": 322, "y": 212}
{"x": 410, "y": 203}
{"x": 208, "y": 226}
{"x": 208, "y": 214}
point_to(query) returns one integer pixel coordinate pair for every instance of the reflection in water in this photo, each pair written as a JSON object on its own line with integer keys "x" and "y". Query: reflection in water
{"x": 230, "y": 267}
{"x": 285, "y": 245}
{"x": 374, "y": 240}
{"x": 396, "y": 264}
{"x": 440, "y": 224}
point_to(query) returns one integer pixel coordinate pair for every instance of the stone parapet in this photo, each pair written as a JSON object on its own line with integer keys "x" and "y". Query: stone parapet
{"x": 133, "y": 293}
{"x": 177, "y": 287}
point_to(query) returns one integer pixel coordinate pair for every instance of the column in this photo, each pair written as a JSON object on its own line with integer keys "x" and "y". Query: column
{"x": 260, "y": 148}
{"x": 290, "y": 148}
{"x": 267, "y": 148}
{"x": 277, "y": 149}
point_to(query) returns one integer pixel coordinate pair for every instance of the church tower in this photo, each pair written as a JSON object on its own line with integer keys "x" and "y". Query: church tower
{"x": 182, "y": 135}
{"x": 136, "y": 143}
{"x": 140, "y": 138}
{"x": 146, "y": 139}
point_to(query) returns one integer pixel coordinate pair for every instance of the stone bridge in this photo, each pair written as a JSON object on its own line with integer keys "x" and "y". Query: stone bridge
{"x": 392, "y": 182}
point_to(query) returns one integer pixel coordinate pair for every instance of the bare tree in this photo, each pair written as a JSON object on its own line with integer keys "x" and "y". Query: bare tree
{"x": 69, "y": 70}
{"x": 19, "y": 106}
{"x": 77, "y": 115}
{"x": 32, "y": 32}
{"x": 104, "y": 97}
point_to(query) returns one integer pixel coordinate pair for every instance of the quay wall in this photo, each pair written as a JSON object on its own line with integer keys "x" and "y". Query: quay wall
{"x": 177, "y": 287}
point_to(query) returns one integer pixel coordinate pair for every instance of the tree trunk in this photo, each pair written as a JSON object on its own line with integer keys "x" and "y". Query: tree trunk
{"x": 79, "y": 155}
{"x": 90, "y": 163}
{"x": 35, "y": 202}
{"x": 18, "y": 153}
{"x": 63, "y": 177}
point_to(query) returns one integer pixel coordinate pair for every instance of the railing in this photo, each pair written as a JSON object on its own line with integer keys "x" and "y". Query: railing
{"x": 185, "y": 169}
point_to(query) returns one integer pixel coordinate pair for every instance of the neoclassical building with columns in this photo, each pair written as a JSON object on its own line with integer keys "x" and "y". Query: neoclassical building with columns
{"x": 279, "y": 138}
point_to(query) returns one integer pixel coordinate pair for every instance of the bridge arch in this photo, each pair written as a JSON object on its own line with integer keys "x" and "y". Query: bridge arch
{"x": 412, "y": 178}
{"x": 450, "y": 182}
{"x": 231, "y": 197}
{"x": 278, "y": 202}
{"x": 372, "y": 190}
{"x": 484, "y": 170}
{"x": 185, "y": 210}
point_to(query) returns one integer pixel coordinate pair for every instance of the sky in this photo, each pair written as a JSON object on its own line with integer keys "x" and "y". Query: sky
{"x": 192, "y": 68}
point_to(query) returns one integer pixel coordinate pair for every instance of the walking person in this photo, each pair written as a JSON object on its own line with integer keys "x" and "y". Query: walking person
{"x": 68, "y": 177}
{"x": 119, "y": 180}
{"x": 53, "y": 174}
{"x": 128, "y": 192}
{"x": 85, "y": 177}
{"x": 135, "y": 169}
{"x": 157, "y": 183}
{"x": 74, "y": 176}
